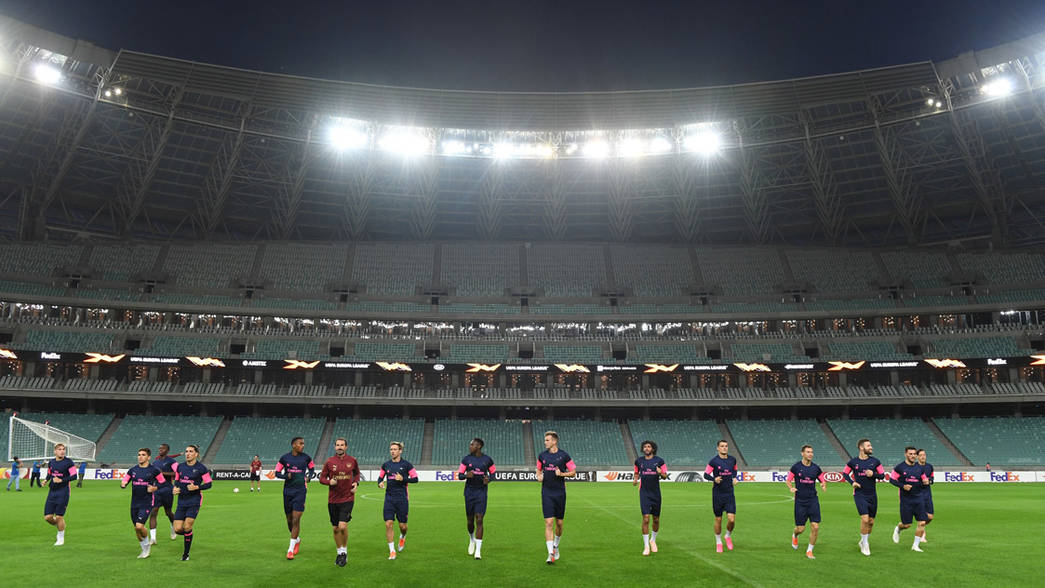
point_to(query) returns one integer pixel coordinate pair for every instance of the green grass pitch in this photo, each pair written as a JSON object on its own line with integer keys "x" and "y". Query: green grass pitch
{"x": 984, "y": 533}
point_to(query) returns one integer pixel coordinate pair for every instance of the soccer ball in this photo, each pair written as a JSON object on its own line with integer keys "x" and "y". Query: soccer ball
{"x": 235, "y": 490}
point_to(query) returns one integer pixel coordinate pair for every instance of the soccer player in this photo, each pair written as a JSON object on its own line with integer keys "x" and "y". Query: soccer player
{"x": 61, "y": 471}
{"x": 930, "y": 473}
{"x": 192, "y": 478}
{"x": 83, "y": 471}
{"x": 15, "y": 474}
{"x": 397, "y": 497}
{"x": 34, "y": 475}
{"x": 862, "y": 473}
{"x": 910, "y": 477}
{"x": 255, "y": 474}
{"x": 295, "y": 469}
{"x": 553, "y": 467}
{"x": 476, "y": 470}
{"x": 722, "y": 470}
{"x": 341, "y": 474}
{"x": 144, "y": 479}
{"x": 164, "y": 494}
{"x": 805, "y": 474}
{"x": 649, "y": 470}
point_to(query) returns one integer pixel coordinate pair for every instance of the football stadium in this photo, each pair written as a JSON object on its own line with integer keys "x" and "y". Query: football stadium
{"x": 199, "y": 255}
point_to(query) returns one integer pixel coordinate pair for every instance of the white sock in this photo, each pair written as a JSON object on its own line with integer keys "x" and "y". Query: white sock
{"x": 291, "y": 548}
{"x": 391, "y": 546}
{"x": 152, "y": 534}
{"x": 342, "y": 551}
{"x": 728, "y": 533}
{"x": 144, "y": 543}
{"x": 718, "y": 538}
{"x": 557, "y": 539}
{"x": 793, "y": 536}
{"x": 810, "y": 548}
{"x": 917, "y": 540}
{"x": 645, "y": 540}
{"x": 653, "y": 536}
{"x": 864, "y": 537}
{"x": 478, "y": 545}
{"x": 471, "y": 537}
{"x": 61, "y": 534}
{"x": 551, "y": 547}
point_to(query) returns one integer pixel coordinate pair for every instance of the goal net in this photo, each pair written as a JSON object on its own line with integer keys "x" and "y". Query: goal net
{"x": 32, "y": 440}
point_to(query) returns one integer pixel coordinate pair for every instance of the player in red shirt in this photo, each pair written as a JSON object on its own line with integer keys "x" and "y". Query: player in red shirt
{"x": 255, "y": 474}
{"x": 341, "y": 474}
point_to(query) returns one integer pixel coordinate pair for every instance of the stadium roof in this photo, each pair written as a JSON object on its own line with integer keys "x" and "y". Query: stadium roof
{"x": 126, "y": 144}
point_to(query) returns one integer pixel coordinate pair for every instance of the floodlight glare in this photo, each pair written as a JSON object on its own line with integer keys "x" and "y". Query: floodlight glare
{"x": 545, "y": 150}
{"x": 344, "y": 137}
{"x": 118, "y": 91}
{"x": 703, "y": 142}
{"x": 108, "y": 93}
{"x": 659, "y": 145}
{"x": 404, "y": 142}
{"x": 571, "y": 149}
{"x": 503, "y": 150}
{"x": 47, "y": 74}
{"x": 998, "y": 88}
{"x": 631, "y": 148}
{"x": 454, "y": 148}
{"x": 597, "y": 149}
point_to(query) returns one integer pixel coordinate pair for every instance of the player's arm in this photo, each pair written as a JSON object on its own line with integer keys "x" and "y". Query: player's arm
{"x": 789, "y": 481}
{"x": 174, "y": 482}
{"x": 895, "y": 480}
{"x": 709, "y": 474}
{"x": 823, "y": 481}
{"x": 124, "y": 480}
{"x": 463, "y": 472}
{"x": 156, "y": 481}
{"x": 381, "y": 478}
{"x": 540, "y": 471}
{"x": 324, "y": 476}
{"x": 489, "y": 473}
{"x": 663, "y": 471}
{"x": 311, "y": 473}
{"x": 206, "y": 480}
{"x": 636, "y": 481}
{"x": 932, "y": 476}
{"x": 571, "y": 470}
{"x": 281, "y": 472}
{"x": 879, "y": 472}
{"x": 411, "y": 476}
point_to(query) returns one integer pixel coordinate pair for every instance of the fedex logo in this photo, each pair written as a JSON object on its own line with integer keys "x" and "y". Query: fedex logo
{"x": 1005, "y": 477}
{"x": 958, "y": 477}
{"x": 106, "y": 474}
{"x": 445, "y": 476}
{"x": 779, "y": 477}
{"x": 745, "y": 477}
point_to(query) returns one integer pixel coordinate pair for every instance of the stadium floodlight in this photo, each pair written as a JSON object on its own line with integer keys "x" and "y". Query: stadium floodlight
{"x": 660, "y": 144}
{"x": 703, "y": 142}
{"x": 117, "y": 91}
{"x": 597, "y": 149}
{"x": 46, "y": 73}
{"x": 545, "y": 150}
{"x": 571, "y": 149}
{"x": 405, "y": 142}
{"x": 930, "y": 102}
{"x": 631, "y": 147}
{"x": 108, "y": 93}
{"x": 346, "y": 137}
{"x": 454, "y": 147}
{"x": 998, "y": 88}
{"x": 504, "y": 150}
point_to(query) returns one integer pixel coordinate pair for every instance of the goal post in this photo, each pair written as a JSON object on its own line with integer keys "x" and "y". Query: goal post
{"x": 31, "y": 440}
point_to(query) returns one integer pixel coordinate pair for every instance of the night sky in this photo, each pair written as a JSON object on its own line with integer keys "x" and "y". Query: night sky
{"x": 564, "y": 45}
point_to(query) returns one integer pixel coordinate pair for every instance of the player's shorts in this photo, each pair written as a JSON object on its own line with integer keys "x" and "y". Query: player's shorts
{"x": 723, "y": 503}
{"x": 255, "y": 476}
{"x": 56, "y": 504}
{"x": 866, "y": 504}
{"x": 163, "y": 497}
{"x": 807, "y": 510}
{"x": 649, "y": 504}
{"x": 912, "y": 509}
{"x": 928, "y": 500}
{"x": 553, "y": 505}
{"x": 140, "y": 514}
{"x": 186, "y": 511}
{"x": 474, "y": 500}
{"x": 396, "y": 509}
{"x": 340, "y": 512}
{"x": 294, "y": 500}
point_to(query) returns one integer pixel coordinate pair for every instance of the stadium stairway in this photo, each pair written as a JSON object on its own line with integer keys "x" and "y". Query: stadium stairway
{"x": 107, "y": 434}
{"x": 965, "y": 461}
{"x": 219, "y": 438}
{"x": 528, "y": 453}
{"x": 326, "y": 441}
{"x": 428, "y": 443}
{"x": 835, "y": 441}
{"x": 734, "y": 449}
{"x": 629, "y": 445}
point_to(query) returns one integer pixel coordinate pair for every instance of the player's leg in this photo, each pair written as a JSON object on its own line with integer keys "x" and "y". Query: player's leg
{"x": 731, "y": 521}
{"x": 654, "y": 526}
{"x": 390, "y": 537}
{"x": 402, "y": 511}
{"x": 186, "y": 532}
{"x": 645, "y": 530}
{"x": 906, "y": 516}
{"x": 814, "y": 530}
{"x": 800, "y": 523}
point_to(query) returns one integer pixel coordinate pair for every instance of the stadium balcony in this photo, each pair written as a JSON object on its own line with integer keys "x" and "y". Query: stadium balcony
{"x": 134, "y": 431}
{"x": 680, "y": 443}
{"x": 502, "y": 438}
{"x": 368, "y": 438}
{"x": 267, "y": 437}
{"x": 590, "y": 443}
{"x": 999, "y": 440}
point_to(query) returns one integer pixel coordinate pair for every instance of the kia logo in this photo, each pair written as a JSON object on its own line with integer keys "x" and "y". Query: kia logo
{"x": 833, "y": 477}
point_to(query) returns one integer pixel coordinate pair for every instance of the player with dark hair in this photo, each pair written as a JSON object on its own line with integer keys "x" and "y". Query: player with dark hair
{"x": 192, "y": 478}
{"x": 927, "y": 492}
{"x": 862, "y": 473}
{"x": 476, "y": 470}
{"x": 255, "y": 473}
{"x": 805, "y": 474}
{"x": 650, "y": 469}
{"x": 341, "y": 474}
{"x": 910, "y": 478}
{"x": 144, "y": 480}
{"x": 61, "y": 471}
{"x": 164, "y": 494}
{"x": 295, "y": 469}
{"x": 553, "y": 467}
{"x": 397, "y": 496}
{"x": 722, "y": 470}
